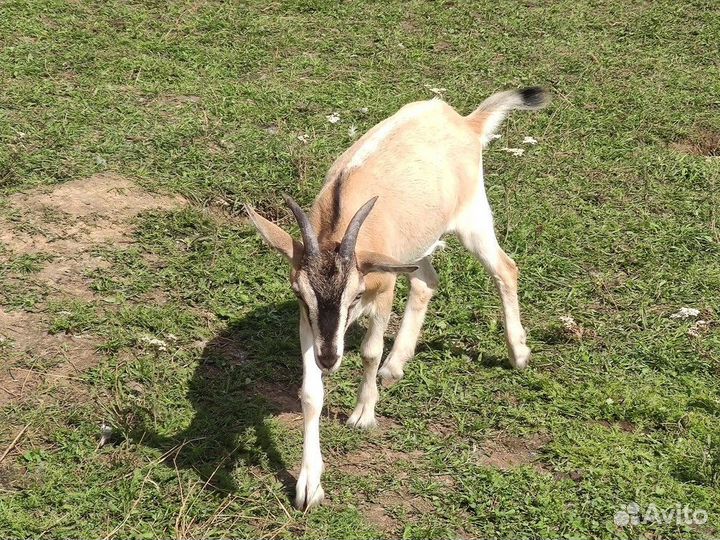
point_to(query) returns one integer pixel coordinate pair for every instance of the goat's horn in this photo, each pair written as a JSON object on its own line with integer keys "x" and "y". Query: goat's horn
{"x": 310, "y": 239}
{"x": 347, "y": 246}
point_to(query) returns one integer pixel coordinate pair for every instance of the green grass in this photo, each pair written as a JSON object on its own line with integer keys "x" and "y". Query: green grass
{"x": 609, "y": 223}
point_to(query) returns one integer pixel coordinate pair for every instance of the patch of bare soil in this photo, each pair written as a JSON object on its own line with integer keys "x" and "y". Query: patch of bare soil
{"x": 75, "y": 216}
{"x": 65, "y": 224}
{"x": 622, "y": 425}
{"x": 372, "y": 459}
{"x": 703, "y": 142}
{"x": 507, "y": 452}
{"x": 285, "y": 403}
{"x": 383, "y": 510}
{"x": 31, "y": 357}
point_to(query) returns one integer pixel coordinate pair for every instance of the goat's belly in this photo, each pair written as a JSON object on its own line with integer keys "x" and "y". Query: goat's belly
{"x": 421, "y": 252}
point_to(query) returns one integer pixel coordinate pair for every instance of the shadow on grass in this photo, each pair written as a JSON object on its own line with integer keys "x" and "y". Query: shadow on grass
{"x": 247, "y": 373}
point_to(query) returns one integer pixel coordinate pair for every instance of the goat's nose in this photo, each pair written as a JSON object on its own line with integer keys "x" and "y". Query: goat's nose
{"x": 327, "y": 361}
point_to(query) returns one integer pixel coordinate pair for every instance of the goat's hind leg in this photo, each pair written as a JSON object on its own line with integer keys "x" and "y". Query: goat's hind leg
{"x": 479, "y": 238}
{"x": 423, "y": 283}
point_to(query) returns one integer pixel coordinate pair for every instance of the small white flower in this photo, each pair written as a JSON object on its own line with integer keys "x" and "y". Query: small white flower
{"x": 568, "y": 322}
{"x": 517, "y": 152}
{"x": 333, "y": 118}
{"x": 352, "y": 132}
{"x": 363, "y": 110}
{"x": 435, "y": 90}
{"x": 303, "y": 138}
{"x": 158, "y": 344}
{"x": 105, "y": 434}
{"x": 529, "y": 140}
{"x": 495, "y": 136}
{"x": 609, "y": 401}
{"x": 685, "y": 313}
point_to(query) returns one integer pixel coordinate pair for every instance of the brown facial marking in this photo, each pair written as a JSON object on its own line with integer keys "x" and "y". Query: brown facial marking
{"x": 323, "y": 279}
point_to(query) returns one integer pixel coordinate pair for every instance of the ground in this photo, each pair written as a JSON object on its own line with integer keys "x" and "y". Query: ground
{"x": 149, "y": 362}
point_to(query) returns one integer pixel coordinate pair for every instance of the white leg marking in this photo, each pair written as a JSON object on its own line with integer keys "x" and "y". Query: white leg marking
{"x": 423, "y": 283}
{"x": 308, "y": 491}
{"x": 371, "y": 350}
{"x": 477, "y": 234}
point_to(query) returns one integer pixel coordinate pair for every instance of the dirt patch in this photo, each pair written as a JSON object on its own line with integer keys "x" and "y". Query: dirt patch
{"x": 391, "y": 510}
{"x": 228, "y": 349}
{"x": 74, "y": 216}
{"x": 281, "y": 398}
{"x": 443, "y": 431}
{"x": 622, "y": 425}
{"x": 377, "y": 515}
{"x": 509, "y": 452}
{"x": 69, "y": 222}
{"x": 63, "y": 226}
{"x": 373, "y": 459}
{"x": 65, "y": 276}
{"x": 32, "y": 357}
{"x": 702, "y": 142}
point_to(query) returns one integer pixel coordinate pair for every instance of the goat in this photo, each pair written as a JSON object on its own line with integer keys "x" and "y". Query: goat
{"x": 385, "y": 204}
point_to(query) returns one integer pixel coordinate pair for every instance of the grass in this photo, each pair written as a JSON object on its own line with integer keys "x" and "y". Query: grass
{"x": 611, "y": 220}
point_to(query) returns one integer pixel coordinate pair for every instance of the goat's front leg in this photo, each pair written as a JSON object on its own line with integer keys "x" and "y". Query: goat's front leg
{"x": 308, "y": 491}
{"x": 371, "y": 350}
{"x": 423, "y": 283}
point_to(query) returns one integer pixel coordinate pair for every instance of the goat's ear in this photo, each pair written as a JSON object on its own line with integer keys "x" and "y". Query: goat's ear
{"x": 369, "y": 261}
{"x": 276, "y": 237}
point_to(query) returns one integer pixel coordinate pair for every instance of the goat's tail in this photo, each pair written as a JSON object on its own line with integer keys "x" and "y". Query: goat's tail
{"x": 489, "y": 115}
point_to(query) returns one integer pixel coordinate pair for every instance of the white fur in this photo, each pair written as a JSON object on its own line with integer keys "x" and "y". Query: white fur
{"x": 474, "y": 228}
{"x": 499, "y": 106}
{"x": 435, "y": 247}
{"x": 308, "y": 491}
{"x": 423, "y": 283}
{"x": 363, "y": 416}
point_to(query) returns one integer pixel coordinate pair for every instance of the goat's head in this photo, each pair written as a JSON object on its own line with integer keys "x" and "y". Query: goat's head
{"x": 329, "y": 281}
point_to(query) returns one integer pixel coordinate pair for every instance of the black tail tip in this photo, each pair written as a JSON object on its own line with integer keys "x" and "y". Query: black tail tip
{"x": 534, "y": 97}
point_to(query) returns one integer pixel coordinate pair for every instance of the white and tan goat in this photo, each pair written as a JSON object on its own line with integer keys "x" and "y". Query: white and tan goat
{"x": 385, "y": 205}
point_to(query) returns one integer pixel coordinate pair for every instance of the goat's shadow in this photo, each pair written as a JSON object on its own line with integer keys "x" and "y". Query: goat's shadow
{"x": 248, "y": 372}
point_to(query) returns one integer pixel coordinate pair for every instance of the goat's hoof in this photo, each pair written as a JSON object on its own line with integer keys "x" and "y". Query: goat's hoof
{"x": 389, "y": 375}
{"x": 520, "y": 357}
{"x": 361, "y": 421}
{"x": 308, "y": 491}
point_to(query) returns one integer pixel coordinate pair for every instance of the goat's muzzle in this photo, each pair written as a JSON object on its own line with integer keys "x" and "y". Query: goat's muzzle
{"x": 328, "y": 363}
